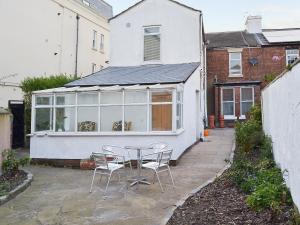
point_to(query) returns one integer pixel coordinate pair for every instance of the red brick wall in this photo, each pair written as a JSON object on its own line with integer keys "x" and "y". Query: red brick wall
{"x": 218, "y": 67}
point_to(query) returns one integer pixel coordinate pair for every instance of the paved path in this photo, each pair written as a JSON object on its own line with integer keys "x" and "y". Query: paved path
{"x": 60, "y": 196}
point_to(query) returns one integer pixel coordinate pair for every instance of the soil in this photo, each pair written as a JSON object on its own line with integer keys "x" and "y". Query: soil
{"x": 222, "y": 203}
{"x": 8, "y": 183}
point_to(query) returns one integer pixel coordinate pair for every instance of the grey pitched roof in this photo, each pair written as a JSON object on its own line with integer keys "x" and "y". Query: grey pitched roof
{"x": 100, "y": 7}
{"x": 263, "y": 40}
{"x": 145, "y": 74}
{"x": 234, "y": 39}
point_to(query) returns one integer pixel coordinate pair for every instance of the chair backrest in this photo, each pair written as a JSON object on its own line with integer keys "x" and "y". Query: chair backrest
{"x": 158, "y": 147}
{"x": 100, "y": 159}
{"x": 117, "y": 150}
{"x": 164, "y": 157}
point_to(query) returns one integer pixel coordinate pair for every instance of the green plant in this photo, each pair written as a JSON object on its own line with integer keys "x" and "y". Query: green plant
{"x": 4, "y": 188}
{"x": 289, "y": 67}
{"x": 11, "y": 164}
{"x": 255, "y": 114}
{"x": 30, "y": 85}
{"x": 266, "y": 149}
{"x": 269, "y": 77}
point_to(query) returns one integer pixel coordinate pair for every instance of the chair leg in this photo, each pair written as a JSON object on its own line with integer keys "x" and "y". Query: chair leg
{"x": 171, "y": 177}
{"x": 108, "y": 181}
{"x": 100, "y": 178}
{"x": 119, "y": 177}
{"x": 93, "y": 181}
{"x": 159, "y": 181}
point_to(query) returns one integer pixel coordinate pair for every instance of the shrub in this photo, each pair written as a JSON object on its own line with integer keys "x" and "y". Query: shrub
{"x": 255, "y": 114}
{"x": 269, "y": 77}
{"x": 30, "y": 85}
{"x": 266, "y": 149}
{"x": 11, "y": 164}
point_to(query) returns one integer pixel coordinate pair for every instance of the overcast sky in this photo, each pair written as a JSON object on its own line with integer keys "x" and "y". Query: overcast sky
{"x": 228, "y": 15}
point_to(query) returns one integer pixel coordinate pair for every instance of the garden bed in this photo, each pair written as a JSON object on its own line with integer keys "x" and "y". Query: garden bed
{"x": 221, "y": 202}
{"x": 8, "y": 183}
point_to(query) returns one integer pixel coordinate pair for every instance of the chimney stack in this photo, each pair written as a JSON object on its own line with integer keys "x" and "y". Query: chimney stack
{"x": 254, "y": 24}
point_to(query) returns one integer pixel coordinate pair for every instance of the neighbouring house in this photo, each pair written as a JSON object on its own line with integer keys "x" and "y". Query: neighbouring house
{"x": 281, "y": 121}
{"x": 239, "y": 62}
{"x": 49, "y": 37}
{"x": 153, "y": 91}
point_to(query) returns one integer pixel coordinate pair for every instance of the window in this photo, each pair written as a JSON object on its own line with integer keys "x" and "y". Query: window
{"x": 161, "y": 110}
{"x": 291, "y": 56}
{"x": 86, "y": 2}
{"x": 235, "y": 63}
{"x": 179, "y": 110}
{"x": 43, "y": 113}
{"x": 247, "y": 99}
{"x": 65, "y": 113}
{"x": 102, "y": 42}
{"x": 87, "y": 112}
{"x": 151, "y": 44}
{"x": 109, "y": 111}
{"x": 94, "y": 43}
{"x": 94, "y": 66}
{"x": 228, "y": 109}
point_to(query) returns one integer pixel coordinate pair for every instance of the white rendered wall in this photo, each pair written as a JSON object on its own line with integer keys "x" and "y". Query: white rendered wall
{"x": 81, "y": 147}
{"x": 281, "y": 120}
{"x": 32, "y": 31}
{"x": 180, "y": 33}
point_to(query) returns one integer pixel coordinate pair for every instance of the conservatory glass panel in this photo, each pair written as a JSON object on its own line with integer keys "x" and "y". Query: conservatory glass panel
{"x": 161, "y": 117}
{"x": 66, "y": 99}
{"x": 43, "y": 119}
{"x": 136, "y": 118}
{"x": 87, "y": 118}
{"x": 135, "y": 97}
{"x": 111, "y": 118}
{"x": 88, "y": 99}
{"x": 110, "y": 97}
{"x": 161, "y": 96}
{"x": 43, "y": 100}
{"x": 65, "y": 119}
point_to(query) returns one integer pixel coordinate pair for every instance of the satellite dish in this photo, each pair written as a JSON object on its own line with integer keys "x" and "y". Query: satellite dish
{"x": 253, "y": 61}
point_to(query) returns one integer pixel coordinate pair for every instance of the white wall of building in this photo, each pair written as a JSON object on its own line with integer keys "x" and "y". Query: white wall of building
{"x": 281, "y": 120}
{"x": 180, "y": 33}
{"x": 38, "y": 37}
{"x": 64, "y": 146}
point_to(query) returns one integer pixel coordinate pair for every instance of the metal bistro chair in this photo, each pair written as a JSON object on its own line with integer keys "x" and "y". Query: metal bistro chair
{"x": 112, "y": 149}
{"x": 158, "y": 147}
{"x": 105, "y": 167}
{"x": 160, "y": 165}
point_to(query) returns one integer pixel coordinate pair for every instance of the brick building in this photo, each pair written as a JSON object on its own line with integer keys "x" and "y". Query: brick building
{"x": 239, "y": 61}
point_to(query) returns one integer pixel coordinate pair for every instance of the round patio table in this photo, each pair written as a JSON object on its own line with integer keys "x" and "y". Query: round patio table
{"x": 139, "y": 179}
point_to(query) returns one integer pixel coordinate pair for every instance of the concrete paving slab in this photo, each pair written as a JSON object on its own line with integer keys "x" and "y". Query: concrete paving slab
{"x": 61, "y": 196}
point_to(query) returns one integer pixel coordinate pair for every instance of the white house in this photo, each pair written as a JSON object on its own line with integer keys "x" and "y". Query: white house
{"x": 48, "y": 37}
{"x": 154, "y": 90}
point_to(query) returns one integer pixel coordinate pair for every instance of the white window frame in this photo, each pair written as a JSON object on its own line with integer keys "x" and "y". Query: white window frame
{"x": 241, "y": 100}
{"x": 86, "y": 2}
{"x": 102, "y": 43}
{"x": 51, "y": 107}
{"x": 94, "y": 42}
{"x": 291, "y": 54}
{"x": 228, "y": 117}
{"x": 148, "y": 104}
{"x": 143, "y": 44}
{"x": 94, "y": 67}
{"x": 232, "y": 51}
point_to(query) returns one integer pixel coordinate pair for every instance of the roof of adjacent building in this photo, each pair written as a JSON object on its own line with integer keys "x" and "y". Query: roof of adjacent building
{"x": 138, "y": 3}
{"x": 279, "y": 36}
{"x": 232, "y": 39}
{"x": 101, "y": 7}
{"x": 145, "y": 74}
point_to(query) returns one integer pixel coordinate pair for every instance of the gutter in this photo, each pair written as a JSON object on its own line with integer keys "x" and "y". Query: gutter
{"x": 77, "y": 37}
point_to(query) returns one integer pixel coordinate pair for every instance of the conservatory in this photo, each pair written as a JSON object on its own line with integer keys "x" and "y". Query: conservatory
{"x": 122, "y": 106}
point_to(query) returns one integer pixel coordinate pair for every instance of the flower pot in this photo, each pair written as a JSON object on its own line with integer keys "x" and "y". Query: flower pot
{"x": 222, "y": 121}
{"x": 212, "y": 122}
{"x": 206, "y": 133}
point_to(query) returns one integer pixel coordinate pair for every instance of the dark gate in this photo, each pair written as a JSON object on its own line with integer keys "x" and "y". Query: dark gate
{"x": 18, "y": 135}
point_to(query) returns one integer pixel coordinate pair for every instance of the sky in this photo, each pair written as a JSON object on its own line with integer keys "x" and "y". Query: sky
{"x": 230, "y": 15}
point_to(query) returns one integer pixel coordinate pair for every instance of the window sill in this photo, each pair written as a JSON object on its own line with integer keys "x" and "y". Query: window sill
{"x": 230, "y": 117}
{"x": 152, "y": 62}
{"x": 235, "y": 76}
{"x": 99, "y": 134}
{"x": 94, "y": 49}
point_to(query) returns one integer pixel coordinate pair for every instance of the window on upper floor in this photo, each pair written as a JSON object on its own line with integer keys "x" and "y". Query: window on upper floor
{"x": 235, "y": 64}
{"x": 152, "y": 43}
{"x": 102, "y": 42}
{"x": 94, "y": 40}
{"x": 94, "y": 66}
{"x": 291, "y": 56}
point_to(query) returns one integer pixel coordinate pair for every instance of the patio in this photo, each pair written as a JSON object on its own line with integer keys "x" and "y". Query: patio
{"x": 61, "y": 196}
